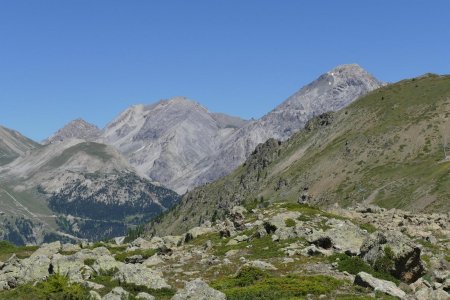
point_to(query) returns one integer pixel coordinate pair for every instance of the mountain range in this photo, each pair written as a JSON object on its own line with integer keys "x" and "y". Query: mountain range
{"x": 180, "y": 144}
{"x": 86, "y": 182}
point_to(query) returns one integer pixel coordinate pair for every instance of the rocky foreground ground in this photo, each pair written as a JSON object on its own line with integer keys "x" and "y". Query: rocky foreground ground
{"x": 284, "y": 251}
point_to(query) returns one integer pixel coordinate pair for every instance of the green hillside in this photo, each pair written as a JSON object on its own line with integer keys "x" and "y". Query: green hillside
{"x": 387, "y": 148}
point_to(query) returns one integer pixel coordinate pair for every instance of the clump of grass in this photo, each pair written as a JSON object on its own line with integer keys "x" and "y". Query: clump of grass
{"x": 256, "y": 248}
{"x": 89, "y": 262}
{"x": 214, "y": 237}
{"x": 67, "y": 252}
{"x": 144, "y": 253}
{"x": 309, "y": 211}
{"x": 252, "y": 283}
{"x": 7, "y": 249}
{"x": 368, "y": 227}
{"x": 289, "y": 222}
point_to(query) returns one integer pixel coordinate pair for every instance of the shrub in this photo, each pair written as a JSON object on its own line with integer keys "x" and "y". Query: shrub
{"x": 354, "y": 265}
{"x": 89, "y": 261}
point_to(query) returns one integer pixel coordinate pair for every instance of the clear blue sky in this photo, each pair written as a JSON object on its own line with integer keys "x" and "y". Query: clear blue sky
{"x": 60, "y": 60}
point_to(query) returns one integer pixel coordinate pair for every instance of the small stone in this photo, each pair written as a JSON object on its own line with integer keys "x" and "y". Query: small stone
{"x": 144, "y": 296}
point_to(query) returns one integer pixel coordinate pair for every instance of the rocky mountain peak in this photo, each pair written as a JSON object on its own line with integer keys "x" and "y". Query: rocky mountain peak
{"x": 78, "y": 129}
{"x": 331, "y": 91}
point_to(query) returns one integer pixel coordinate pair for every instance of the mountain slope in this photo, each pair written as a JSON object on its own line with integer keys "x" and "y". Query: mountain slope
{"x": 330, "y": 92}
{"x": 78, "y": 129}
{"x": 13, "y": 145}
{"x": 85, "y": 189}
{"x": 386, "y": 148}
{"x": 168, "y": 139}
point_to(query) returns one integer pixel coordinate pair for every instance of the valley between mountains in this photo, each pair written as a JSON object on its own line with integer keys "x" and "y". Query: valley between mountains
{"x": 342, "y": 191}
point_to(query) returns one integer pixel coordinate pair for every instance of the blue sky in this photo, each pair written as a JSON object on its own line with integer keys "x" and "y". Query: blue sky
{"x": 60, "y": 60}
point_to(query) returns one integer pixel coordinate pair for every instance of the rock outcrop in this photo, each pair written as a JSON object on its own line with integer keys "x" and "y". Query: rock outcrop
{"x": 366, "y": 280}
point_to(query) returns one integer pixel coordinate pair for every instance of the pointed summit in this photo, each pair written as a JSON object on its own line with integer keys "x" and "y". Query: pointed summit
{"x": 76, "y": 129}
{"x": 332, "y": 91}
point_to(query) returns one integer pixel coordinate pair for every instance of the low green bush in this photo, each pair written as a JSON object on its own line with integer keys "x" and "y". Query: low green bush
{"x": 354, "y": 265}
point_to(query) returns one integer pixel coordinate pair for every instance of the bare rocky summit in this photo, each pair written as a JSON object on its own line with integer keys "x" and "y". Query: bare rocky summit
{"x": 330, "y": 92}
{"x": 78, "y": 129}
{"x": 167, "y": 140}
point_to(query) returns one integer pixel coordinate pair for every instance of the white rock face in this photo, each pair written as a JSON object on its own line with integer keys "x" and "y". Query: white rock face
{"x": 167, "y": 140}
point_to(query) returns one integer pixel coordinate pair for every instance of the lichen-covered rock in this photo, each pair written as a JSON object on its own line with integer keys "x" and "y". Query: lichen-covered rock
{"x": 73, "y": 265}
{"x": 431, "y": 294}
{"x": 106, "y": 263}
{"x": 345, "y": 236}
{"x": 92, "y": 285}
{"x": 16, "y": 272}
{"x": 366, "y": 280}
{"x": 48, "y": 249}
{"x": 117, "y": 293}
{"x": 395, "y": 250}
{"x": 70, "y": 247}
{"x": 198, "y": 290}
{"x": 35, "y": 268}
{"x": 277, "y": 225}
{"x": 69, "y": 266}
{"x": 153, "y": 260}
{"x": 141, "y": 275}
